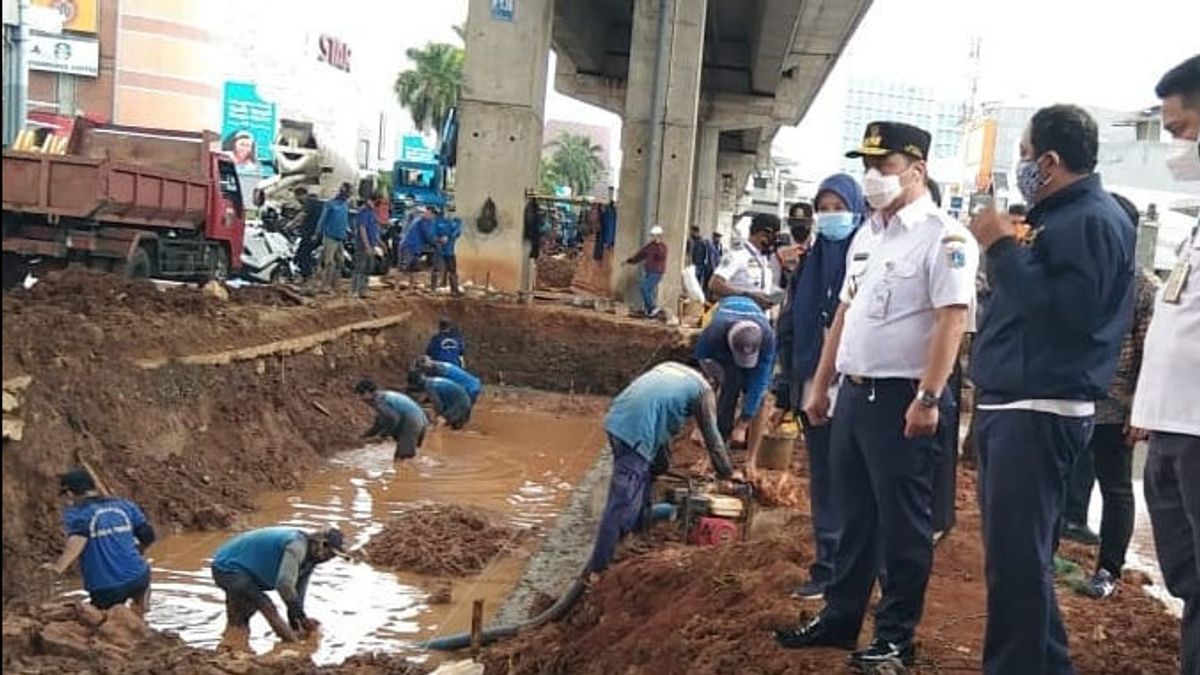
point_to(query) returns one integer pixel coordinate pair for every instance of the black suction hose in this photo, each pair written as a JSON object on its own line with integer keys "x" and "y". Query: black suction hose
{"x": 552, "y": 613}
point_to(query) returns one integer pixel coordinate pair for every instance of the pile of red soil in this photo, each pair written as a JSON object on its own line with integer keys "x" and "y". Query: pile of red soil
{"x": 69, "y": 637}
{"x": 441, "y": 540}
{"x": 675, "y": 609}
{"x": 555, "y": 272}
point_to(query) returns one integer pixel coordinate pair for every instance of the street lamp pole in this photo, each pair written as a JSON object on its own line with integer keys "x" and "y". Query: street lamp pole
{"x": 18, "y": 81}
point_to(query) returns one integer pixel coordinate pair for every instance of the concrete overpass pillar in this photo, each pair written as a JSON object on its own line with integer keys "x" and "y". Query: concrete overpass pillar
{"x": 733, "y": 170}
{"x": 500, "y": 137}
{"x": 707, "y": 187}
{"x": 672, "y": 176}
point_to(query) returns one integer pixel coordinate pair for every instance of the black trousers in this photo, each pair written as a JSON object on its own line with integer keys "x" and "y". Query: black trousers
{"x": 1113, "y": 458}
{"x": 824, "y": 509}
{"x": 304, "y": 256}
{"x": 1025, "y": 458}
{"x": 1172, "y": 483}
{"x": 1079, "y": 488}
{"x": 945, "y": 481}
{"x": 882, "y": 488}
{"x": 733, "y": 383}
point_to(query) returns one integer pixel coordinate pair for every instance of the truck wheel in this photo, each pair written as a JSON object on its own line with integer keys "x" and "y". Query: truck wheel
{"x": 15, "y": 270}
{"x": 139, "y": 265}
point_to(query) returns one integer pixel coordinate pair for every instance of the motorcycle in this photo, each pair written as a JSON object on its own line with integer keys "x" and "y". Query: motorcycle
{"x": 267, "y": 255}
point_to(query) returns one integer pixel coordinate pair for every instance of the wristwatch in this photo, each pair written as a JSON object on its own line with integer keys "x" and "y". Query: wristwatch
{"x": 928, "y": 398}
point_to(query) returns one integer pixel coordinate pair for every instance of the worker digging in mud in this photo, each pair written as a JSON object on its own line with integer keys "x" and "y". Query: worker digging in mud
{"x": 451, "y": 402}
{"x": 641, "y": 424}
{"x": 447, "y": 345}
{"x": 737, "y": 348}
{"x": 460, "y": 376}
{"x": 107, "y": 535}
{"x": 396, "y": 416}
{"x": 280, "y": 559}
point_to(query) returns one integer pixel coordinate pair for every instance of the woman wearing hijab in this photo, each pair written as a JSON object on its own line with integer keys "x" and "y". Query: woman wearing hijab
{"x": 813, "y": 301}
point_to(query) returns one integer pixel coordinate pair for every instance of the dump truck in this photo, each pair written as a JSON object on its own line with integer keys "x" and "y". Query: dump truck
{"x": 142, "y": 202}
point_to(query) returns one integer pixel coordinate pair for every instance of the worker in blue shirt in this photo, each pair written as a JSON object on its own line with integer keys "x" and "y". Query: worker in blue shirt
{"x": 460, "y": 376}
{"x": 449, "y": 229}
{"x": 447, "y": 345}
{"x": 366, "y": 247}
{"x": 420, "y": 238}
{"x": 450, "y": 401}
{"x": 334, "y": 226}
{"x": 396, "y": 416}
{"x": 641, "y": 423}
{"x": 738, "y": 345}
{"x": 280, "y": 559}
{"x": 1046, "y": 351}
{"x": 107, "y": 536}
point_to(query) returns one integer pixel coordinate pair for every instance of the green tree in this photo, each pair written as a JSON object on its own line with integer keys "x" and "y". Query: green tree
{"x": 547, "y": 176}
{"x": 576, "y": 162}
{"x": 431, "y": 87}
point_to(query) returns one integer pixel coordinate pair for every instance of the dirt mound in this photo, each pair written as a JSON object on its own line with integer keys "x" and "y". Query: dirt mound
{"x": 70, "y": 637}
{"x": 666, "y": 608}
{"x": 74, "y": 638}
{"x": 81, "y": 290}
{"x": 555, "y": 272}
{"x": 441, "y": 540}
{"x": 376, "y": 664}
{"x": 675, "y": 610}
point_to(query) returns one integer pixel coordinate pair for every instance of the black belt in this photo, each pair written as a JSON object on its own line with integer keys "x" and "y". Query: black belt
{"x": 880, "y": 381}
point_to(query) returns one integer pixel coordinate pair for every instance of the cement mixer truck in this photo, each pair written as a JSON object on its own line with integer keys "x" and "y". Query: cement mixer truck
{"x": 301, "y": 160}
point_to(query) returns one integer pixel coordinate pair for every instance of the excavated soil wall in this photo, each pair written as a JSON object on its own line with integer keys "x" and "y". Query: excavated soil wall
{"x": 194, "y": 444}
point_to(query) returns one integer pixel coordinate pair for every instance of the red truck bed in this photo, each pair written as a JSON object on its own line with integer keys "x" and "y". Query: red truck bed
{"x": 80, "y": 187}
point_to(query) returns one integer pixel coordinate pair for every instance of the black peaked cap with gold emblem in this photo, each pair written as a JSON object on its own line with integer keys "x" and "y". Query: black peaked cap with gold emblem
{"x": 885, "y": 138}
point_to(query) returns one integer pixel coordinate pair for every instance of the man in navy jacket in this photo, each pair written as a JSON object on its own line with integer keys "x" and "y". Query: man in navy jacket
{"x": 1047, "y": 349}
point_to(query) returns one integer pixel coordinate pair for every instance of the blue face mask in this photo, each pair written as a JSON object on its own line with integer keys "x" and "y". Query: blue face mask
{"x": 835, "y": 225}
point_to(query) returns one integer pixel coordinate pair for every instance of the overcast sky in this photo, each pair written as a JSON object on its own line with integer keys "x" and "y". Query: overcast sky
{"x": 1107, "y": 54}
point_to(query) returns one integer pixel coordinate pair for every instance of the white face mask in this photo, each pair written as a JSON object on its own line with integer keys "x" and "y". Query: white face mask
{"x": 1183, "y": 159}
{"x": 881, "y": 190}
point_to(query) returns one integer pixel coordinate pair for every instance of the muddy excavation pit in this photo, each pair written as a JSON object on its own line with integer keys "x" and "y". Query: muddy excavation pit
{"x": 216, "y": 415}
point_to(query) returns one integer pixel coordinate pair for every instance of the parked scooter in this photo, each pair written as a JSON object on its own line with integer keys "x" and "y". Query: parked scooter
{"x": 267, "y": 255}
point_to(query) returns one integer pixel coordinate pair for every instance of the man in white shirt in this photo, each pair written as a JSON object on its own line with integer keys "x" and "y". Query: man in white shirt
{"x": 747, "y": 269}
{"x": 908, "y": 296}
{"x": 1167, "y": 398}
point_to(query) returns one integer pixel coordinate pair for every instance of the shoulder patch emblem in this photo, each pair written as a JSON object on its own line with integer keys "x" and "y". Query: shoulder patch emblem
{"x": 956, "y": 257}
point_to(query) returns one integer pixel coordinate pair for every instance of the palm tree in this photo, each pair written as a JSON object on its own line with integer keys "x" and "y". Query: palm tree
{"x": 432, "y": 86}
{"x": 576, "y": 162}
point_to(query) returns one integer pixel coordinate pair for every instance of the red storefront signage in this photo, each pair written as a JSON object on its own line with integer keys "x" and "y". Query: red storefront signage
{"x": 334, "y": 52}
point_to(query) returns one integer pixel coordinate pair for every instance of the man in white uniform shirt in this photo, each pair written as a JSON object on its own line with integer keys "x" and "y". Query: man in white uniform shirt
{"x": 908, "y": 296}
{"x": 749, "y": 269}
{"x": 1167, "y": 398}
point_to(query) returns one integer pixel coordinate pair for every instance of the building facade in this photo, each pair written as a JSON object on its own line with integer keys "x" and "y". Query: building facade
{"x": 600, "y": 136}
{"x": 192, "y": 64}
{"x": 870, "y": 100}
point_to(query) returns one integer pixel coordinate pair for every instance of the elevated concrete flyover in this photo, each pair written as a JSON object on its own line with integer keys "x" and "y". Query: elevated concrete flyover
{"x": 702, "y": 87}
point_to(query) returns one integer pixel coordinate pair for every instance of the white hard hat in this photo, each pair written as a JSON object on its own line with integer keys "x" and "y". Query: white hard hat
{"x": 656, "y": 231}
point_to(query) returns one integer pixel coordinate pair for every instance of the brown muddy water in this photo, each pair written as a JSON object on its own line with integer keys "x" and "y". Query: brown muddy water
{"x": 517, "y": 462}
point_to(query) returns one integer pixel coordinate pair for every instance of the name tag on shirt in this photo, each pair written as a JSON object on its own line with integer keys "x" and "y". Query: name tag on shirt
{"x": 879, "y": 302}
{"x": 1173, "y": 290}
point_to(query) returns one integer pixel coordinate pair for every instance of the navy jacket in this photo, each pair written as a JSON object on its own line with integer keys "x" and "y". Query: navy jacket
{"x": 1061, "y": 307}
